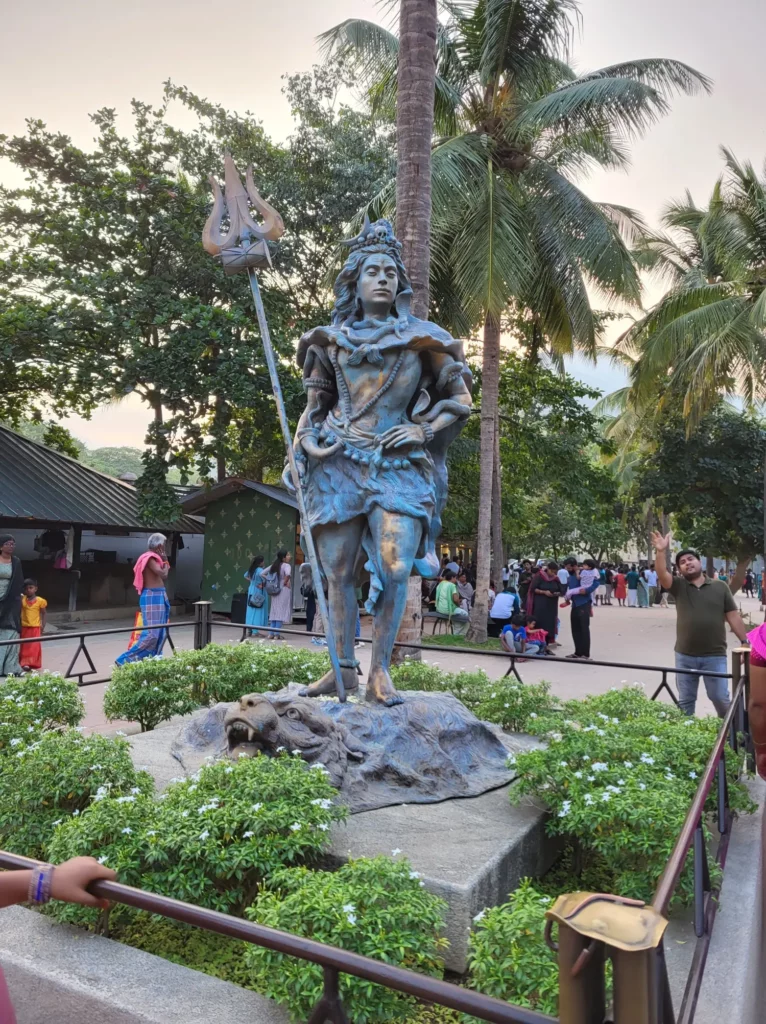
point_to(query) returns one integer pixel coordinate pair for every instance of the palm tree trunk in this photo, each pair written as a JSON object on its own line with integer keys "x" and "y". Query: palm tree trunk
{"x": 665, "y": 532}
{"x": 489, "y": 390}
{"x": 414, "y": 128}
{"x": 497, "y": 512}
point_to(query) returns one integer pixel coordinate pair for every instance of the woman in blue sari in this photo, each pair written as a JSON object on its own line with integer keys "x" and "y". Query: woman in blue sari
{"x": 257, "y": 616}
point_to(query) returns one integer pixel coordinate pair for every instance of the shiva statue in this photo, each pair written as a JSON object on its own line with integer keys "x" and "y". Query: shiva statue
{"x": 386, "y": 394}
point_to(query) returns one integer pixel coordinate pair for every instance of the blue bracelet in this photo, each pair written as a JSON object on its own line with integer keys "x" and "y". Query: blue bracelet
{"x": 40, "y": 884}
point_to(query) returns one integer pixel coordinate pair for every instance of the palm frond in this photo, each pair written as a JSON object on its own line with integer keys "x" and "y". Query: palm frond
{"x": 669, "y": 77}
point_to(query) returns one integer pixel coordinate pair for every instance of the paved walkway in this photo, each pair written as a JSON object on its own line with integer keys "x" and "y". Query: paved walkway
{"x": 634, "y": 635}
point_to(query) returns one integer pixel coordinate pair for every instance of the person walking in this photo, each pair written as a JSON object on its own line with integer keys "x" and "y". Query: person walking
{"x": 279, "y": 590}
{"x": 703, "y": 607}
{"x": 308, "y": 592}
{"x": 749, "y": 582}
{"x": 620, "y": 587}
{"x": 582, "y": 605}
{"x": 651, "y": 582}
{"x": 257, "y": 599}
{"x": 631, "y": 578}
{"x": 33, "y": 617}
{"x": 149, "y": 575}
{"x": 11, "y": 589}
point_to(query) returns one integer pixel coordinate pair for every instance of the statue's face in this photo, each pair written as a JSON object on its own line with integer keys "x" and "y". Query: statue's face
{"x": 378, "y": 281}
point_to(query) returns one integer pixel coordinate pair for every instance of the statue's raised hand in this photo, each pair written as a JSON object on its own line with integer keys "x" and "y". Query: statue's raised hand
{"x": 405, "y": 433}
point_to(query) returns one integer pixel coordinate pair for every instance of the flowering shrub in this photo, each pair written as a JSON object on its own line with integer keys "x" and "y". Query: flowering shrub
{"x": 147, "y": 693}
{"x": 511, "y": 704}
{"x": 376, "y": 907}
{"x": 56, "y": 778}
{"x": 222, "y": 672}
{"x": 618, "y": 775}
{"x": 508, "y": 957}
{"x": 468, "y": 687}
{"x": 33, "y": 704}
{"x": 210, "y": 839}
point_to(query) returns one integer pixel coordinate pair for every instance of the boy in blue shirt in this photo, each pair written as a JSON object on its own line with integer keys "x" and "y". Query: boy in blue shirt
{"x": 515, "y": 640}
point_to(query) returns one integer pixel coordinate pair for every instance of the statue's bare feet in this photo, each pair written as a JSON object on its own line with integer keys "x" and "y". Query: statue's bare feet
{"x": 326, "y": 685}
{"x": 381, "y": 689}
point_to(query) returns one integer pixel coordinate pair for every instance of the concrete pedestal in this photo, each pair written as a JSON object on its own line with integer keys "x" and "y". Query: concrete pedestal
{"x": 472, "y": 852}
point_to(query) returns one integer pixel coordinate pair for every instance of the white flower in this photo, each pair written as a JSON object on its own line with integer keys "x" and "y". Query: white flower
{"x": 565, "y": 808}
{"x": 555, "y": 737}
{"x": 600, "y": 732}
{"x": 280, "y": 749}
{"x": 670, "y": 776}
{"x": 135, "y": 789}
{"x": 58, "y": 822}
{"x": 590, "y": 728}
{"x": 102, "y": 860}
{"x": 395, "y": 852}
{"x": 101, "y": 792}
{"x": 325, "y": 804}
{"x": 564, "y": 764}
{"x": 479, "y": 916}
{"x": 75, "y": 813}
{"x": 493, "y": 695}
{"x": 606, "y": 796}
{"x": 351, "y": 918}
{"x": 296, "y": 751}
{"x": 578, "y": 775}
{"x": 591, "y": 778}
{"x": 613, "y": 789}
{"x": 348, "y": 908}
{"x": 689, "y": 722}
{"x": 642, "y": 785}
{"x": 184, "y": 814}
{"x": 204, "y": 835}
{"x": 628, "y": 764}
{"x": 127, "y": 831}
{"x": 324, "y": 826}
{"x": 192, "y": 787}
{"x": 319, "y": 765}
{"x": 646, "y": 759}
{"x": 654, "y": 739}
{"x": 692, "y": 775}
{"x": 533, "y": 715}
{"x": 152, "y": 832}
{"x": 621, "y": 782}
{"x": 257, "y": 807}
{"x": 599, "y": 766}
{"x": 295, "y": 827}
{"x": 506, "y": 705}
{"x": 588, "y": 798}
{"x": 511, "y": 760}
{"x": 228, "y": 771}
{"x": 247, "y": 835}
{"x": 604, "y": 718}
{"x": 15, "y": 742}
{"x": 414, "y": 874}
{"x": 125, "y": 800}
{"x": 30, "y": 728}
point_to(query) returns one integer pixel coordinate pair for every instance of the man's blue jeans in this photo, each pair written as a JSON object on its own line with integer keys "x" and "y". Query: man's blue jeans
{"x": 688, "y": 680}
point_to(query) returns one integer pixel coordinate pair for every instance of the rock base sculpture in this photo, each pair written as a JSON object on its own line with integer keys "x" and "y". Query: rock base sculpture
{"x": 427, "y": 749}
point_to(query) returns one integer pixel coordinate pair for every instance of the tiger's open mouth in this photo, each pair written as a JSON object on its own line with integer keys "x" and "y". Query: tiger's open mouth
{"x": 243, "y": 740}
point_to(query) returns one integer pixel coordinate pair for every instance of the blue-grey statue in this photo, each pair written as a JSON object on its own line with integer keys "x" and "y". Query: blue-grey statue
{"x": 386, "y": 394}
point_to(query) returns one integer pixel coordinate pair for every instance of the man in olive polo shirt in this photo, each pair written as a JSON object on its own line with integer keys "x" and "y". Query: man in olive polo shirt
{"x": 703, "y": 608}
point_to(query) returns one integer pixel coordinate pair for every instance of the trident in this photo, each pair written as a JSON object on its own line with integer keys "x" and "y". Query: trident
{"x": 244, "y": 247}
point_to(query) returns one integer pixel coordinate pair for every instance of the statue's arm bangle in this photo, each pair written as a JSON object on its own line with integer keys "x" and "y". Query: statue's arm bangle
{"x": 428, "y": 432}
{"x": 449, "y": 373}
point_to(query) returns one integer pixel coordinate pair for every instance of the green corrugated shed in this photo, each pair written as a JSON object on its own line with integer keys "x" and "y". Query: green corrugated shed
{"x": 242, "y": 519}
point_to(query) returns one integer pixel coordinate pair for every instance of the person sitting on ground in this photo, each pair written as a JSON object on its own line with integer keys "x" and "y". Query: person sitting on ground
{"x": 448, "y": 603}
{"x": 503, "y": 608}
{"x": 515, "y": 637}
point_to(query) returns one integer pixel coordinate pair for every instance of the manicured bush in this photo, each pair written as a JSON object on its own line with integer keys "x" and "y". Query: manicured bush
{"x": 511, "y": 704}
{"x": 224, "y": 672}
{"x": 210, "y": 839}
{"x": 376, "y": 907}
{"x": 148, "y": 693}
{"x": 56, "y": 778}
{"x": 468, "y": 687}
{"x": 508, "y": 957}
{"x": 618, "y": 775}
{"x": 33, "y": 704}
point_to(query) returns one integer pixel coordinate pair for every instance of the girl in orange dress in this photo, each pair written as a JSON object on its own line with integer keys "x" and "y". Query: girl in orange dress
{"x": 32, "y": 626}
{"x": 620, "y": 586}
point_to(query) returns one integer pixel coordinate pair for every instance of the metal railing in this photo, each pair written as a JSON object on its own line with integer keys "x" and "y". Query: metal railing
{"x": 649, "y": 1001}
{"x": 334, "y": 961}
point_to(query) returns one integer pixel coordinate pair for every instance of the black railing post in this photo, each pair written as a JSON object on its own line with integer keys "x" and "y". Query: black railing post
{"x": 203, "y": 626}
{"x": 723, "y": 793}
{"x": 701, "y": 880}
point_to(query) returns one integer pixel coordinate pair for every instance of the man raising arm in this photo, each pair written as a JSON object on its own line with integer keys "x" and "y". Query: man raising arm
{"x": 703, "y": 607}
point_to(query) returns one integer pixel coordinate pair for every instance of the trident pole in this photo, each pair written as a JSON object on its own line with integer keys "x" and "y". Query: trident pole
{"x": 316, "y": 574}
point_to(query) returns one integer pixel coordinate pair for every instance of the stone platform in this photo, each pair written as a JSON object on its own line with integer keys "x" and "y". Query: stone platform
{"x": 471, "y": 852}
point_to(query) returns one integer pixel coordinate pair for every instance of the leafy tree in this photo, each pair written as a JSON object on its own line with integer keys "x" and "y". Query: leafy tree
{"x": 712, "y": 482}
{"x": 516, "y": 125}
{"x": 105, "y": 289}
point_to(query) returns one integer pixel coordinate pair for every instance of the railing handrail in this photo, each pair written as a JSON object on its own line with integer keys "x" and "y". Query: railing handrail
{"x": 94, "y": 632}
{"x": 421, "y": 986}
{"x": 677, "y": 860}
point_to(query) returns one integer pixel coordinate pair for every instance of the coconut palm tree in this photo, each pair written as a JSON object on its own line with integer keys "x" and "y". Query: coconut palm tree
{"x": 510, "y": 229}
{"x": 416, "y": 75}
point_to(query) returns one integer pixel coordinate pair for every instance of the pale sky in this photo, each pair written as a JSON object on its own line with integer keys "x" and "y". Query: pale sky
{"x": 62, "y": 61}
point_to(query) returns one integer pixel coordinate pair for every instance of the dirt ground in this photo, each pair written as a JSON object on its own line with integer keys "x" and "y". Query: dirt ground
{"x": 631, "y": 635}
